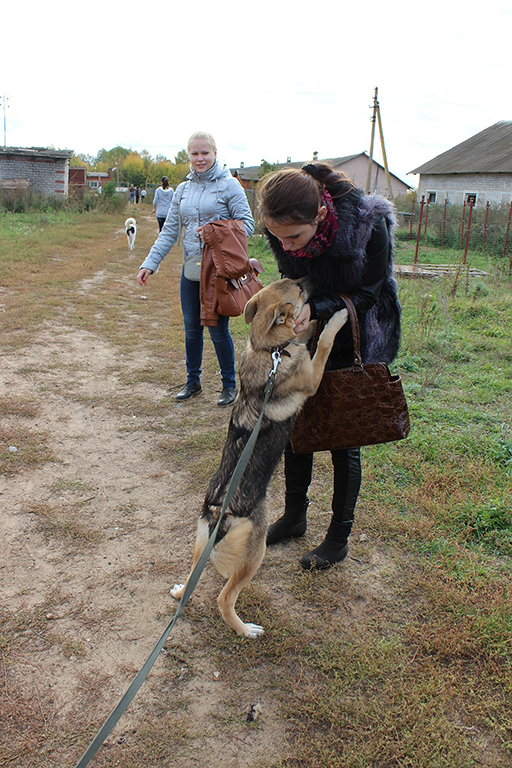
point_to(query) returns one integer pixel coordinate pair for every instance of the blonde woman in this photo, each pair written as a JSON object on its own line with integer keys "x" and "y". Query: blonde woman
{"x": 209, "y": 193}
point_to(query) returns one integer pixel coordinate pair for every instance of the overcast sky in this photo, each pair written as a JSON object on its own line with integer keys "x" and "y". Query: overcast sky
{"x": 269, "y": 78}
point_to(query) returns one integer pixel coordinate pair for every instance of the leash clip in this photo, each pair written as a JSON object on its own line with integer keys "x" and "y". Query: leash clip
{"x": 276, "y": 357}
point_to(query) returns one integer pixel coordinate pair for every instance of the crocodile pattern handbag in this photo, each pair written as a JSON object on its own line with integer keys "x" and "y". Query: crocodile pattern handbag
{"x": 361, "y": 405}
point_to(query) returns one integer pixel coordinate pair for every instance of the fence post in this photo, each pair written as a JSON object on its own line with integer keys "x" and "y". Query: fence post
{"x": 419, "y": 229}
{"x": 467, "y": 234}
{"x": 485, "y": 223}
{"x": 508, "y": 228}
{"x": 444, "y": 219}
{"x": 426, "y": 218}
{"x": 463, "y": 222}
{"x": 412, "y": 216}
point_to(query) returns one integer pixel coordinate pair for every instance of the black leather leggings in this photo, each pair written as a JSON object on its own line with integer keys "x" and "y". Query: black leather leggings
{"x": 298, "y": 470}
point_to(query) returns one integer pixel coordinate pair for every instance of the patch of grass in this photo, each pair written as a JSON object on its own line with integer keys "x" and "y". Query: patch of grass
{"x": 195, "y": 451}
{"x": 73, "y": 649}
{"x": 22, "y": 448}
{"x": 21, "y": 407}
{"x": 58, "y": 522}
{"x": 66, "y": 484}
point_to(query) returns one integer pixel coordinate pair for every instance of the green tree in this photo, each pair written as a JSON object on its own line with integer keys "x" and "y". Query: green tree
{"x": 132, "y": 169}
{"x": 109, "y": 189}
{"x": 111, "y": 157}
{"x": 178, "y": 173}
{"x": 78, "y": 161}
{"x": 181, "y": 158}
{"x": 147, "y": 162}
{"x": 266, "y": 167}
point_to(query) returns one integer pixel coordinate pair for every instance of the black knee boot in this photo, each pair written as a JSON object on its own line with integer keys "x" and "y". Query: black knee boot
{"x": 347, "y": 481}
{"x": 333, "y": 549}
{"x": 292, "y": 524}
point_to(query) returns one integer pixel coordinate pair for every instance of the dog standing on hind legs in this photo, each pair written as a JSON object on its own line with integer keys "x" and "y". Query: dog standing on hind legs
{"x": 131, "y": 232}
{"x": 240, "y": 544}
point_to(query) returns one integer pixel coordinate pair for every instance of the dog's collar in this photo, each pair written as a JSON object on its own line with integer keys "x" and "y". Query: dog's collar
{"x": 281, "y": 349}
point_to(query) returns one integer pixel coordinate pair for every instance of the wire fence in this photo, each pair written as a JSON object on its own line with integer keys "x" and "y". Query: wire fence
{"x": 484, "y": 228}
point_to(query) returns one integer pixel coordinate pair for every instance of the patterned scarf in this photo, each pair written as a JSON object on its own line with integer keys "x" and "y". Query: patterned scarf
{"x": 324, "y": 235}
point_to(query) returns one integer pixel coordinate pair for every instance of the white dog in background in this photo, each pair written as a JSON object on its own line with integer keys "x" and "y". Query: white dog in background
{"x": 131, "y": 232}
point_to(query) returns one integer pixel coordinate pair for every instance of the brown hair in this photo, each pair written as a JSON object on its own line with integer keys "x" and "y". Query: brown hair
{"x": 165, "y": 182}
{"x": 293, "y": 195}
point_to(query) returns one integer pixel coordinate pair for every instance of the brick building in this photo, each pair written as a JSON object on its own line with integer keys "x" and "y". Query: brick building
{"x": 477, "y": 170}
{"x": 43, "y": 171}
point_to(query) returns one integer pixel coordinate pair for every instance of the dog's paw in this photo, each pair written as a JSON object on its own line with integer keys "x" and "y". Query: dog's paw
{"x": 253, "y": 630}
{"x": 338, "y": 320}
{"x": 177, "y": 591}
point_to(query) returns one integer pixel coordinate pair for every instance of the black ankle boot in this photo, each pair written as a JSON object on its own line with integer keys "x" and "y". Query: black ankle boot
{"x": 332, "y": 550}
{"x": 291, "y": 525}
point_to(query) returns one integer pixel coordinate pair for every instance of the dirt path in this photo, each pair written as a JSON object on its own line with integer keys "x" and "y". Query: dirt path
{"x": 91, "y": 542}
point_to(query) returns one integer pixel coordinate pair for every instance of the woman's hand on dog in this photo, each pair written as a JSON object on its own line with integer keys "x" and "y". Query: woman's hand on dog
{"x": 302, "y": 320}
{"x": 142, "y": 277}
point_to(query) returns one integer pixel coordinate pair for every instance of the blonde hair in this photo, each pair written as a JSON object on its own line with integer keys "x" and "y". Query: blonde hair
{"x": 205, "y": 136}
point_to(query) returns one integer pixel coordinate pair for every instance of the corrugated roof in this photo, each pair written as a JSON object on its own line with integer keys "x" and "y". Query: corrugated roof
{"x": 489, "y": 151}
{"x": 37, "y": 152}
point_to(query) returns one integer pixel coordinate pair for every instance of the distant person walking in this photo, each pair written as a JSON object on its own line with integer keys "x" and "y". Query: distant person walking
{"x": 137, "y": 195}
{"x": 132, "y": 193}
{"x": 162, "y": 201}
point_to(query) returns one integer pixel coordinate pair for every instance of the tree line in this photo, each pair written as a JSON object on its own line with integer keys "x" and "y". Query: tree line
{"x": 137, "y": 168}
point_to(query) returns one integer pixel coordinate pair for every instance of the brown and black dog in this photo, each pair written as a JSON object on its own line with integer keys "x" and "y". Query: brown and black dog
{"x": 240, "y": 544}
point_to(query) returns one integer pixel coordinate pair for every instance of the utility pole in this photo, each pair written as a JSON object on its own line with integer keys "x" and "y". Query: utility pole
{"x": 5, "y": 99}
{"x": 384, "y": 157}
{"x": 377, "y": 117}
{"x": 372, "y": 141}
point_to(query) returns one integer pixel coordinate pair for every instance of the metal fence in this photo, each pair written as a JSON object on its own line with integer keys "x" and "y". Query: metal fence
{"x": 484, "y": 228}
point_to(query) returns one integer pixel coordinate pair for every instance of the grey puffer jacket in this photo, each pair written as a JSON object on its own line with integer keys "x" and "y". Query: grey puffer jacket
{"x": 203, "y": 197}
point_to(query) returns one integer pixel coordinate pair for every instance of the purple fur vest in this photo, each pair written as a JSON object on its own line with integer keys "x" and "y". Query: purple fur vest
{"x": 340, "y": 269}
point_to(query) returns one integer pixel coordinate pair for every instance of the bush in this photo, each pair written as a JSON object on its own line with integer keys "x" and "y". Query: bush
{"x": 23, "y": 200}
{"x": 26, "y": 201}
{"x": 109, "y": 189}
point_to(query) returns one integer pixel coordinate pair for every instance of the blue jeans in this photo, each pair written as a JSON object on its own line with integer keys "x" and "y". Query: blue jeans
{"x": 222, "y": 341}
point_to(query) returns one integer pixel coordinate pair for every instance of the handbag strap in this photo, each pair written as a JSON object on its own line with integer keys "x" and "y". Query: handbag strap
{"x": 356, "y": 337}
{"x": 354, "y": 323}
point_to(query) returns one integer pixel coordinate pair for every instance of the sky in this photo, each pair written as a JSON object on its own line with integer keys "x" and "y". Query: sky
{"x": 270, "y": 79}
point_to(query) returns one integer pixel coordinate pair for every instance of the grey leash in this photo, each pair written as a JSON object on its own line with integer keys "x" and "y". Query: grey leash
{"x": 132, "y": 691}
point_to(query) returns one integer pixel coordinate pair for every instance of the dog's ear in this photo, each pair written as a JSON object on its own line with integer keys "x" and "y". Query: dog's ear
{"x": 251, "y": 308}
{"x": 279, "y": 314}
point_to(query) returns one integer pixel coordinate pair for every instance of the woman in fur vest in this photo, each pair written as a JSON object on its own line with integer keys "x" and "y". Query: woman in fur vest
{"x": 318, "y": 223}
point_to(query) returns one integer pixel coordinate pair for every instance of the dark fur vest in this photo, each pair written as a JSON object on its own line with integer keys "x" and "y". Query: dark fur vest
{"x": 340, "y": 269}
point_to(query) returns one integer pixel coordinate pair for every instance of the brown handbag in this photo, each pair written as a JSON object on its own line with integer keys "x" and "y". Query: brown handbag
{"x": 235, "y": 276}
{"x": 361, "y": 405}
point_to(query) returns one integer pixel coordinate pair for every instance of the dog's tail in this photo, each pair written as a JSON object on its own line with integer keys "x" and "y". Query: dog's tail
{"x": 130, "y": 223}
